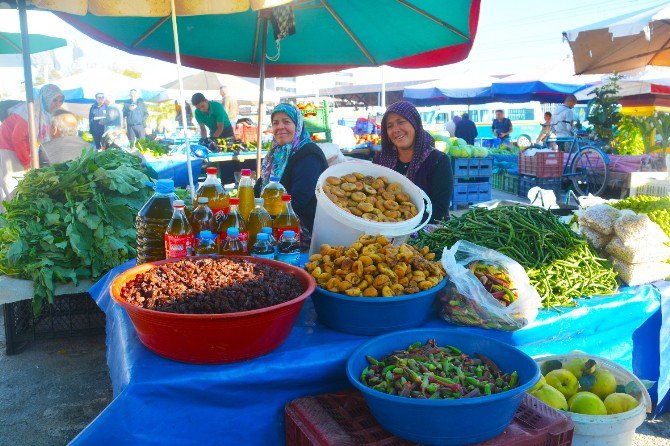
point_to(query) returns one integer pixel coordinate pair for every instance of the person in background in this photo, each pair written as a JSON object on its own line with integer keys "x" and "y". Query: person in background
{"x": 409, "y": 150}
{"x": 135, "y": 114}
{"x": 65, "y": 143}
{"x": 96, "y": 118}
{"x": 562, "y": 119}
{"x": 450, "y": 126}
{"x": 113, "y": 118}
{"x": 229, "y": 103}
{"x": 211, "y": 116}
{"x": 297, "y": 161}
{"x": 189, "y": 113}
{"x": 14, "y": 139}
{"x": 502, "y": 127}
{"x": 466, "y": 129}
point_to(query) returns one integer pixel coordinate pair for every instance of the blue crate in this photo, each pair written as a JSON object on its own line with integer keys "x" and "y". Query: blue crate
{"x": 472, "y": 167}
{"x": 526, "y": 183}
{"x": 467, "y": 193}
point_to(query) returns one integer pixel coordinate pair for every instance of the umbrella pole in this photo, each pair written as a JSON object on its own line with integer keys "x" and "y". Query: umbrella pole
{"x": 28, "y": 75}
{"x": 261, "y": 107}
{"x": 182, "y": 102}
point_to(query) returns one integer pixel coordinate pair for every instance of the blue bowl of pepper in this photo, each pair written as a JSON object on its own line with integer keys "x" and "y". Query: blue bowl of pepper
{"x": 445, "y": 421}
{"x": 370, "y": 316}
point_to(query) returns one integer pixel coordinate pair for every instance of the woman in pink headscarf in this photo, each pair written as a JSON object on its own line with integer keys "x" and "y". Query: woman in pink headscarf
{"x": 14, "y": 139}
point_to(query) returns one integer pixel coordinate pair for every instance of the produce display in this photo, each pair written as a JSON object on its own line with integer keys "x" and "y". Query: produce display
{"x": 496, "y": 281}
{"x": 432, "y": 372}
{"x": 374, "y": 267}
{"x": 504, "y": 150}
{"x": 581, "y": 385}
{"x": 148, "y": 146}
{"x": 457, "y": 147}
{"x": 211, "y": 286}
{"x": 560, "y": 264}
{"x": 656, "y": 208}
{"x": 369, "y": 138}
{"x": 72, "y": 220}
{"x": 374, "y": 199}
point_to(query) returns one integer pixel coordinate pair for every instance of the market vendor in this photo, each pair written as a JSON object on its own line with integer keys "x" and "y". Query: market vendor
{"x": 14, "y": 141}
{"x": 211, "y": 116}
{"x": 297, "y": 161}
{"x": 408, "y": 149}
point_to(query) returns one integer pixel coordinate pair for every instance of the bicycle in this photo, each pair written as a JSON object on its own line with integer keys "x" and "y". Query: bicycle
{"x": 587, "y": 165}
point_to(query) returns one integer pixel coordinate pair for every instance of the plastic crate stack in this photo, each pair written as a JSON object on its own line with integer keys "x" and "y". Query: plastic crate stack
{"x": 316, "y": 120}
{"x": 344, "y": 419}
{"x": 544, "y": 170}
{"x": 505, "y": 181}
{"x": 472, "y": 181}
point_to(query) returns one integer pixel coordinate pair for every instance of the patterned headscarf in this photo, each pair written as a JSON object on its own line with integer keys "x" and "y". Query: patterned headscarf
{"x": 275, "y": 161}
{"x": 43, "y": 102}
{"x": 423, "y": 142}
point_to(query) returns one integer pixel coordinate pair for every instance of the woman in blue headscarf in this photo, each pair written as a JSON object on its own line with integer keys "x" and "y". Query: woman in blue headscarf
{"x": 295, "y": 160}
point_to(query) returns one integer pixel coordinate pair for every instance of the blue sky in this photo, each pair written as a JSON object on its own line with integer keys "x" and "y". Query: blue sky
{"x": 513, "y": 36}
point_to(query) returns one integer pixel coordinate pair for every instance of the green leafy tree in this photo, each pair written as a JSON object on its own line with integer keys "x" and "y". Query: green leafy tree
{"x": 603, "y": 109}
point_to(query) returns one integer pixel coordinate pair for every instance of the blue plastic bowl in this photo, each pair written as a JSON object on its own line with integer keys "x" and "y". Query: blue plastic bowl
{"x": 445, "y": 422}
{"x": 373, "y": 315}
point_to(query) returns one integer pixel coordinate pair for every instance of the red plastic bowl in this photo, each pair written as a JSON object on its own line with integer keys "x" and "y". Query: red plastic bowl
{"x": 214, "y": 338}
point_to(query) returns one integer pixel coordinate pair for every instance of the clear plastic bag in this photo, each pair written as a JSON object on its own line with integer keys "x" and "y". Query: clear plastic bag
{"x": 468, "y": 302}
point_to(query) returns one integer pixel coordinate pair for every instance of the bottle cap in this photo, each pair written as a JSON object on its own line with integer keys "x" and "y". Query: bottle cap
{"x": 206, "y": 234}
{"x": 266, "y": 230}
{"x": 259, "y": 201}
{"x": 234, "y": 200}
{"x": 262, "y": 236}
{"x": 286, "y": 197}
{"x": 212, "y": 171}
{"x": 178, "y": 203}
{"x": 274, "y": 178}
{"x": 164, "y": 186}
{"x": 246, "y": 172}
{"x": 203, "y": 200}
{"x": 289, "y": 234}
{"x": 234, "y": 232}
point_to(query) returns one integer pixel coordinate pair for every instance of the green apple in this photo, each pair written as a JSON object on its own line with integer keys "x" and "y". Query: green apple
{"x": 550, "y": 365}
{"x": 587, "y": 403}
{"x": 575, "y": 366}
{"x": 539, "y": 384}
{"x": 620, "y": 403}
{"x": 551, "y": 397}
{"x": 605, "y": 383}
{"x": 563, "y": 381}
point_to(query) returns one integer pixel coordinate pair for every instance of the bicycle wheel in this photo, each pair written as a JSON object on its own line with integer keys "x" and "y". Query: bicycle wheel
{"x": 589, "y": 171}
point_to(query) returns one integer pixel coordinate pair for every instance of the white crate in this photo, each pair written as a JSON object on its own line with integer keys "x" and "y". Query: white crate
{"x": 649, "y": 183}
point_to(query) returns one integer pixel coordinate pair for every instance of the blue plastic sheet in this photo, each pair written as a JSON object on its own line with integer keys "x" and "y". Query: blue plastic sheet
{"x": 158, "y": 401}
{"x": 175, "y": 169}
{"x": 509, "y": 163}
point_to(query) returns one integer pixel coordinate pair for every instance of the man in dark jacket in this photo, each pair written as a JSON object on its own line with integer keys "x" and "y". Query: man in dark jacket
{"x": 466, "y": 129}
{"x": 96, "y": 118}
{"x": 135, "y": 113}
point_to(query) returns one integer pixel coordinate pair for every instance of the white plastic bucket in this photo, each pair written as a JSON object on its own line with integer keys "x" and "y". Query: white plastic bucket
{"x": 610, "y": 430}
{"x": 335, "y": 226}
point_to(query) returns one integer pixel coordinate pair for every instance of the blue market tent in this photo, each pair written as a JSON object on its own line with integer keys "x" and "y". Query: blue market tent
{"x": 462, "y": 88}
{"x": 81, "y": 87}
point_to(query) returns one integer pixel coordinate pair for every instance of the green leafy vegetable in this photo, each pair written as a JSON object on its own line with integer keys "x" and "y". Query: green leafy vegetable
{"x": 72, "y": 221}
{"x": 148, "y": 146}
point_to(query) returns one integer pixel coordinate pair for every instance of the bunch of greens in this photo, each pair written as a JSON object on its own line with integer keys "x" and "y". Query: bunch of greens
{"x": 656, "y": 208}
{"x": 560, "y": 264}
{"x": 148, "y": 146}
{"x": 72, "y": 221}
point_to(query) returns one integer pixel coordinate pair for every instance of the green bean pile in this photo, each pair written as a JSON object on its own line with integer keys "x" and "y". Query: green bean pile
{"x": 560, "y": 264}
{"x": 432, "y": 372}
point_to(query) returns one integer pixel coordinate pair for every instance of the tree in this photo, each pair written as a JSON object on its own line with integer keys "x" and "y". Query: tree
{"x": 603, "y": 109}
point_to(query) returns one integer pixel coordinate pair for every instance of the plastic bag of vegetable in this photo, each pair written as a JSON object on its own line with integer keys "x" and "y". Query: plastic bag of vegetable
{"x": 490, "y": 290}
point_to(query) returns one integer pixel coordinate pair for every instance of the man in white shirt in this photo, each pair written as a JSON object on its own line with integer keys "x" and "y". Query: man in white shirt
{"x": 561, "y": 121}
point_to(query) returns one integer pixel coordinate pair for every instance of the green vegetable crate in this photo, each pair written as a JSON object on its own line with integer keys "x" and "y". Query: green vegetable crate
{"x": 505, "y": 182}
{"x": 319, "y": 123}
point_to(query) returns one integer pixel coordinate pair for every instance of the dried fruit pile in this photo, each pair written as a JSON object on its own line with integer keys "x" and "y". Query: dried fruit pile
{"x": 211, "y": 286}
{"x": 374, "y": 199}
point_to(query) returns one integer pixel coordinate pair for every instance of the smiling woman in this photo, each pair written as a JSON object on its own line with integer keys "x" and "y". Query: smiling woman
{"x": 408, "y": 149}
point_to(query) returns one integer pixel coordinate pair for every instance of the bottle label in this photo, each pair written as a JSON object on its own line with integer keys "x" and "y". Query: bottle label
{"x": 178, "y": 246}
{"x": 277, "y": 232}
{"x": 219, "y": 213}
{"x": 290, "y": 258}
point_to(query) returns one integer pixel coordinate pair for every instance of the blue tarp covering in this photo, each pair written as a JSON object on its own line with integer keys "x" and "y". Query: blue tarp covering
{"x": 533, "y": 91}
{"x": 161, "y": 402}
{"x": 174, "y": 168}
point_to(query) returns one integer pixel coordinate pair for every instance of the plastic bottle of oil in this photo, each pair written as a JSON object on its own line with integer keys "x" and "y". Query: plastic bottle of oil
{"x": 287, "y": 220}
{"x": 206, "y": 244}
{"x": 245, "y": 192}
{"x": 202, "y": 218}
{"x": 232, "y": 244}
{"x": 272, "y": 193}
{"x": 258, "y": 219}
{"x": 179, "y": 239}
{"x": 151, "y": 222}
{"x": 234, "y": 220}
{"x": 214, "y": 191}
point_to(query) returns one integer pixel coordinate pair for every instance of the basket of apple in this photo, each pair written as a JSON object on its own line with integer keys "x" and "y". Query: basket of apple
{"x": 605, "y": 401}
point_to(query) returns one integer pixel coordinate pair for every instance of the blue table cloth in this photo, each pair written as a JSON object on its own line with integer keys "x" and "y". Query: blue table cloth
{"x": 158, "y": 401}
{"x": 174, "y": 168}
